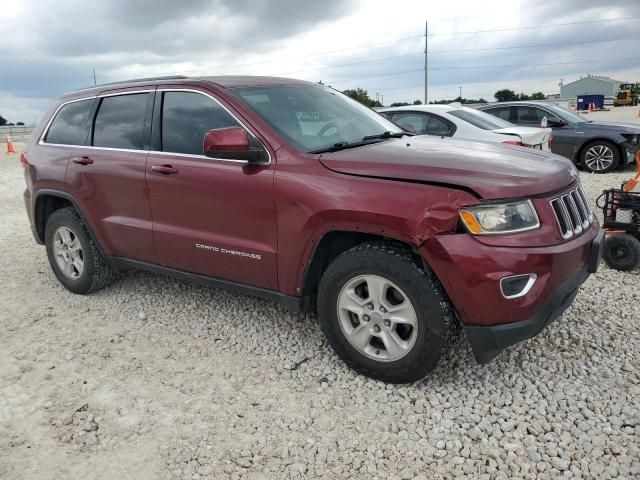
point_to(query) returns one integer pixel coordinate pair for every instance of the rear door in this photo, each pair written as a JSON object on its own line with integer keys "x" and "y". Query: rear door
{"x": 211, "y": 216}
{"x": 107, "y": 177}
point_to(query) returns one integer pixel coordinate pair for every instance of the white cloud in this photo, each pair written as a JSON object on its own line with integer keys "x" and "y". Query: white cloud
{"x": 60, "y": 42}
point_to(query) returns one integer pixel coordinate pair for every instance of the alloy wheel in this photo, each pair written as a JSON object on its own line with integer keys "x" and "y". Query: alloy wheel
{"x": 377, "y": 318}
{"x": 599, "y": 157}
{"x": 68, "y": 253}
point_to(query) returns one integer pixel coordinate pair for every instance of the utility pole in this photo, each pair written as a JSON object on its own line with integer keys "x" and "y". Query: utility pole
{"x": 426, "y": 78}
{"x": 460, "y": 94}
{"x": 382, "y": 99}
{"x": 94, "y": 77}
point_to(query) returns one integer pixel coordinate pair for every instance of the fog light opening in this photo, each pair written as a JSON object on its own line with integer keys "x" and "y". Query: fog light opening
{"x": 516, "y": 286}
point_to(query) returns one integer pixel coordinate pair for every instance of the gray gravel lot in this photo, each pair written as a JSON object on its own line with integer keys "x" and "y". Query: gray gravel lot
{"x": 153, "y": 378}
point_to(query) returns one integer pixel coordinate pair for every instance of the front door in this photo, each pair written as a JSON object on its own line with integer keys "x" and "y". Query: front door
{"x": 210, "y": 216}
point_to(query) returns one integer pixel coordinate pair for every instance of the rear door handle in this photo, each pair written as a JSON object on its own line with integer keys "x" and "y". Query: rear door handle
{"x": 82, "y": 160}
{"x": 164, "y": 169}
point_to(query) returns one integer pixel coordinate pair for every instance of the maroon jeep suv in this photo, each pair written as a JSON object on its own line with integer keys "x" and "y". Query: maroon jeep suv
{"x": 291, "y": 191}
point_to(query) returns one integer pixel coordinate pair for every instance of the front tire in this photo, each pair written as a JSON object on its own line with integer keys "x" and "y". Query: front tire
{"x": 622, "y": 252}
{"x": 600, "y": 156}
{"x": 383, "y": 314}
{"x": 73, "y": 255}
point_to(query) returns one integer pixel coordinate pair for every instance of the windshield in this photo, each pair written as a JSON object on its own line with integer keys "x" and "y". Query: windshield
{"x": 314, "y": 117}
{"x": 479, "y": 119}
{"x": 566, "y": 115}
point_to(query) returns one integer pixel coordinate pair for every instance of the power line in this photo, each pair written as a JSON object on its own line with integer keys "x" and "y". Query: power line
{"x": 413, "y": 54}
{"x": 413, "y": 37}
{"x": 536, "y": 26}
{"x": 482, "y": 67}
{"x": 326, "y": 52}
{"x": 540, "y": 45}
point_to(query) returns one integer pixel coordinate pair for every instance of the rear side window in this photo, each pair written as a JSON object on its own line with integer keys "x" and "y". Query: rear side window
{"x": 186, "y": 117}
{"x": 530, "y": 115}
{"x": 439, "y": 127}
{"x": 412, "y": 122}
{"x": 71, "y": 125}
{"x": 502, "y": 112}
{"x": 120, "y": 122}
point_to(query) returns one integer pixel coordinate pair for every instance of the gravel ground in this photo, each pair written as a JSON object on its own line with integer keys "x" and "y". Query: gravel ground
{"x": 152, "y": 378}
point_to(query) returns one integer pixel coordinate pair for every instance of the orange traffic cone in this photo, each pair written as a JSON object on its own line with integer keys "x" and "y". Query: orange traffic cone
{"x": 10, "y": 148}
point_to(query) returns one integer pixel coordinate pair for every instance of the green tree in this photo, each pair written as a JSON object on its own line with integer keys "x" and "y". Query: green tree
{"x": 362, "y": 96}
{"x": 537, "y": 96}
{"x": 3, "y": 121}
{"x": 399, "y": 104}
{"x": 505, "y": 95}
{"x": 417, "y": 102}
{"x": 523, "y": 96}
{"x": 20, "y": 123}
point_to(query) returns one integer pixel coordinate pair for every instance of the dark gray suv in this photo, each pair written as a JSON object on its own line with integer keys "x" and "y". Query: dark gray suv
{"x": 598, "y": 146}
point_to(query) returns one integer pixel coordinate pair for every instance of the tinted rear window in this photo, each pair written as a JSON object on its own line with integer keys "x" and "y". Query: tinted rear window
{"x": 480, "y": 119}
{"x": 120, "y": 122}
{"x": 71, "y": 125}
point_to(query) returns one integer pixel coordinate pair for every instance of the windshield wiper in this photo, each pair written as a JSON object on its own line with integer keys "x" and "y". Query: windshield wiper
{"x": 388, "y": 134}
{"x": 339, "y": 146}
{"x": 365, "y": 141}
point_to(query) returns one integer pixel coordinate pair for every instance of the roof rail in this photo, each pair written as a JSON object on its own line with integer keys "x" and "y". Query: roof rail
{"x": 133, "y": 80}
{"x": 147, "y": 79}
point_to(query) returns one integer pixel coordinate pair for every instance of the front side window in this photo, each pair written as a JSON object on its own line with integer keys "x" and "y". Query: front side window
{"x": 186, "y": 117}
{"x": 314, "y": 117}
{"x": 412, "y": 122}
{"x": 71, "y": 125}
{"x": 120, "y": 122}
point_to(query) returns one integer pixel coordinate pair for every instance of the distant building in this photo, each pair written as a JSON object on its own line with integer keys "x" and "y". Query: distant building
{"x": 590, "y": 85}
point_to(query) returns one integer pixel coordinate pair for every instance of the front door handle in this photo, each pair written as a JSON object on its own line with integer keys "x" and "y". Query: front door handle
{"x": 164, "y": 169}
{"x": 82, "y": 160}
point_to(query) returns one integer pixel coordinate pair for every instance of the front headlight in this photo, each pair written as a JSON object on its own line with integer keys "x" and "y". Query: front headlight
{"x": 633, "y": 139}
{"x": 502, "y": 218}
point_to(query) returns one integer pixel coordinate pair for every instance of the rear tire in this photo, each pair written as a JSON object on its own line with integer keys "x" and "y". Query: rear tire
{"x": 73, "y": 255}
{"x": 383, "y": 314}
{"x": 622, "y": 252}
{"x": 600, "y": 156}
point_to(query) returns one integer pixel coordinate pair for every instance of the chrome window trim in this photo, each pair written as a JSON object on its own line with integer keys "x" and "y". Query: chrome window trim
{"x": 53, "y": 117}
{"x": 155, "y": 152}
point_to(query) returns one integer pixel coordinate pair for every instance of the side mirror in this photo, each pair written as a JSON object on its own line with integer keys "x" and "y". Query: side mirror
{"x": 232, "y": 143}
{"x": 555, "y": 122}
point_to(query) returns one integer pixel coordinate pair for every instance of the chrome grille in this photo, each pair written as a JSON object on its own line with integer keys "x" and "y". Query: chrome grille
{"x": 572, "y": 213}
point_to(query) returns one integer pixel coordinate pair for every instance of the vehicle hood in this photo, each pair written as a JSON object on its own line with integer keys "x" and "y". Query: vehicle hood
{"x": 529, "y": 135}
{"x": 492, "y": 171}
{"x": 621, "y": 127}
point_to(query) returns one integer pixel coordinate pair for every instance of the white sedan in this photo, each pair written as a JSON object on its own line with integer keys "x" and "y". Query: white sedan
{"x": 454, "y": 120}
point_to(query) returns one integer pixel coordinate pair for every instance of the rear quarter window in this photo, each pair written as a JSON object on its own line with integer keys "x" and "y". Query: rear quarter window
{"x": 71, "y": 124}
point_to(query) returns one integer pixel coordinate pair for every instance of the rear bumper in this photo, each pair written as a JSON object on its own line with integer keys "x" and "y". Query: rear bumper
{"x": 492, "y": 322}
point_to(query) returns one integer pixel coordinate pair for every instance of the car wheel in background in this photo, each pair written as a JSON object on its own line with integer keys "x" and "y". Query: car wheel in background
{"x": 600, "y": 156}
{"x": 622, "y": 252}
{"x": 383, "y": 314}
{"x": 73, "y": 255}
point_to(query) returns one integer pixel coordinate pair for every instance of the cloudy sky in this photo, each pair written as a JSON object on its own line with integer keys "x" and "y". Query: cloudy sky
{"x": 51, "y": 46}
